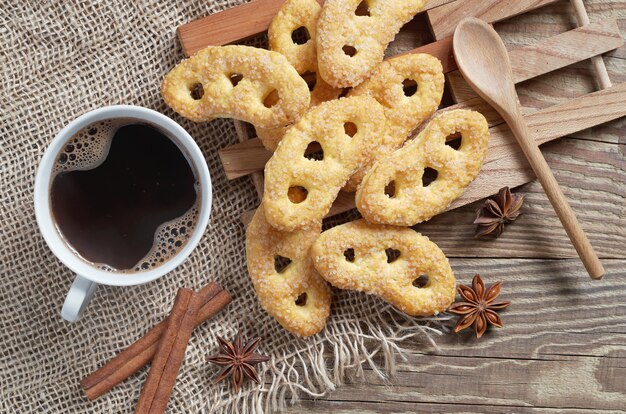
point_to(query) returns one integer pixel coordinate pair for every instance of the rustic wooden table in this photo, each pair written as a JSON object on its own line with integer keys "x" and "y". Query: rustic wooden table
{"x": 563, "y": 346}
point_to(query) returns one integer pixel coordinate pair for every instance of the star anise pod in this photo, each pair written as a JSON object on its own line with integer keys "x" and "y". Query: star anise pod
{"x": 237, "y": 358}
{"x": 480, "y": 308}
{"x": 502, "y": 209}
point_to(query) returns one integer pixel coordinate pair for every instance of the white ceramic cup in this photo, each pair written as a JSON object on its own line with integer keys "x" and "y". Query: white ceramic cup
{"x": 87, "y": 275}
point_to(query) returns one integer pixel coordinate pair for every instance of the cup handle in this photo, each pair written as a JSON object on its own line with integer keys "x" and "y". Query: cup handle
{"x": 78, "y": 298}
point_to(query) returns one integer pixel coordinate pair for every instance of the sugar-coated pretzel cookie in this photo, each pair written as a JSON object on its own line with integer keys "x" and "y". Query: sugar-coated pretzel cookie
{"x": 393, "y": 191}
{"x": 293, "y": 17}
{"x": 347, "y": 130}
{"x": 296, "y": 295}
{"x": 396, "y": 263}
{"x": 351, "y": 39}
{"x": 253, "y": 85}
{"x": 406, "y": 107}
{"x": 297, "y": 18}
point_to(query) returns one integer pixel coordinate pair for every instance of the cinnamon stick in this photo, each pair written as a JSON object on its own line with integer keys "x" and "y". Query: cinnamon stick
{"x": 170, "y": 353}
{"x": 141, "y": 352}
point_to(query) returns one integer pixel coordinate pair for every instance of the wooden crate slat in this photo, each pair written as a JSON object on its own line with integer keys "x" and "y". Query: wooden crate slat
{"x": 244, "y": 158}
{"x": 444, "y": 19}
{"x": 598, "y": 63}
{"x": 550, "y": 54}
{"x": 227, "y": 26}
{"x": 238, "y": 23}
{"x": 243, "y": 135}
{"x": 506, "y": 164}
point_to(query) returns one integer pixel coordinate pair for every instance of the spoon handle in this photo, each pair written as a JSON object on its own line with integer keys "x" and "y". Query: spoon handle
{"x": 555, "y": 195}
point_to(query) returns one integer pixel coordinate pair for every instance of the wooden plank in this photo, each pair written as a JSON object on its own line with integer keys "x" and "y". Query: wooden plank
{"x": 575, "y": 115}
{"x": 371, "y": 406}
{"x": 614, "y": 8}
{"x": 557, "y": 18}
{"x": 237, "y": 23}
{"x": 244, "y": 158}
{"x": 444, "y": 19}
{"x": 561, "y": 350}
{"x": 493, "y": 381}
{"x": 558, "y": 120}
{"x": 228, "y": 26}
{"x": 564, "y": 49}
{"x": 243, "y": 135}
{"x": 550, "y": 54}
{"x": 591, "y": 175}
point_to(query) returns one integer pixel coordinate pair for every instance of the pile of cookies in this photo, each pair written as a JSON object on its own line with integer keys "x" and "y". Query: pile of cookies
{"x": 337, "y": 117}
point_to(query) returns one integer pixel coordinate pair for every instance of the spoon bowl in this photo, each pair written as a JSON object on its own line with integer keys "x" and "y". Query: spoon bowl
{"x": 484, "y": 62}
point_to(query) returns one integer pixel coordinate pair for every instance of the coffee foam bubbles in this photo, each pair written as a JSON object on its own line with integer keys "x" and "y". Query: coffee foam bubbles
{"x": 86, "y": 150}
{"x": 170, "y": 238}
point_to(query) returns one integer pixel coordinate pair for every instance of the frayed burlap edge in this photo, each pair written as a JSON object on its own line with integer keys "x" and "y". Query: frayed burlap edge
{"x": 316, "y": 366}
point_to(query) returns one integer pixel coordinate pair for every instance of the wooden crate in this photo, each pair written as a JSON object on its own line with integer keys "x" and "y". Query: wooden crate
{"x": 505, "y": 164}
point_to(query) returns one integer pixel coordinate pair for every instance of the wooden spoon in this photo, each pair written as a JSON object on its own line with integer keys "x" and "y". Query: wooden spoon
{"x": 484, "y": 63}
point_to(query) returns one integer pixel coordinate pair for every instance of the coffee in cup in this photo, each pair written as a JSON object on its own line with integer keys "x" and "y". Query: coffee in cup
{"x": 123, "y": 195}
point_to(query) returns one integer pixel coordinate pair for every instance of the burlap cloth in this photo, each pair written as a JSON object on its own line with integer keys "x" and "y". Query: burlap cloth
{"x": 62, "y": 59}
